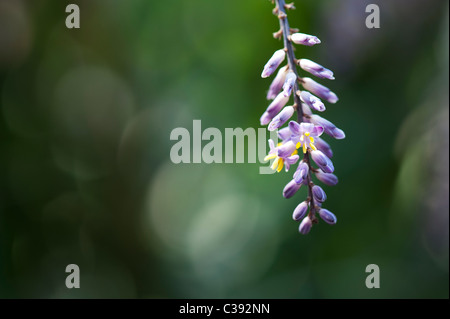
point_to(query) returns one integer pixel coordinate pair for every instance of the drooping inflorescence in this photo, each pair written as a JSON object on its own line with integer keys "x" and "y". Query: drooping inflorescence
{"x": 300, "y": 136}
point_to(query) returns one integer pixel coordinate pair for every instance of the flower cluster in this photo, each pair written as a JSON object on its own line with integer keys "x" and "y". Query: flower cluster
{"x": 303, "y": 135}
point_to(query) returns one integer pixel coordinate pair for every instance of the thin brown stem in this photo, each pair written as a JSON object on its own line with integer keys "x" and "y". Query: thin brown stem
{"x": 284, "y": 26}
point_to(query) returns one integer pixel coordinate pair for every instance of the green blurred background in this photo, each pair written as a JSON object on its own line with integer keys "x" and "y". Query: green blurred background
{"x": 86, "y": 178}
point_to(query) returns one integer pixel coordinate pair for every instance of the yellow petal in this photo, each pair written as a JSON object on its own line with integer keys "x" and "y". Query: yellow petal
{"x": 280, "y": 165}
{"x": 294, "y": 152}
{"x": 298, "y": 145}
{"x": 304, "y": 148}
{"x": 313, "y": 147}
{"x": 307, "y": 134}
{"x": 311, "y": 139}
{"x": 269, "y": 157}
{"x": 275, "y": 163}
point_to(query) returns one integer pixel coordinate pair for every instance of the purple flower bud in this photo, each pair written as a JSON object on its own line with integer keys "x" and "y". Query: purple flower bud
{"x": 265, "y": 118}
{"x": 315, "y": 69}
{"x": 277, "y": 83}
{"x": 273, "y": 63}
{"x": 323, "y": 146}
{"x": 305, "y": 225}
{"x": 322, "y": 161}
{"x": 277, "y": 104}
{"x": 306, "y": 110}
{"x": 319, "y": 90}
{"x": 327, "y": 216}
{"x": 338, "y": 134}
{"x": 286, "y": 149}
{"x": 329, "y": 127}
{"x": 312, "y": 101}
{"x": 289, "y": 83}
{"x": 281, "y": 118}
{"x": 327, "y": 178}
{"x": 272, "y": 110}
{"x": 284, "y": 133}
{"x": 319, "y": 194}
{"x": 305, "y": 39}
{"x": 290, "y": 189}
{"x": 301, "y": 173}
{"x": 300, "y": 211}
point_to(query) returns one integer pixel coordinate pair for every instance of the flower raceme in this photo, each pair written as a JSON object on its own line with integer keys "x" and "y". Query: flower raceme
{"x": 301, "y": 140}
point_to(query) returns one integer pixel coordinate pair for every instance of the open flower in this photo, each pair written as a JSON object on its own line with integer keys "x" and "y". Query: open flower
{"x": 304, "y": 134}
{"x": 285, "y": 154}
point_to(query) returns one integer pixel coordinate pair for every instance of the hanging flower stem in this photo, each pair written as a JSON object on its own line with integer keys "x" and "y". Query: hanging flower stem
{"x": 280, "y": 10}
